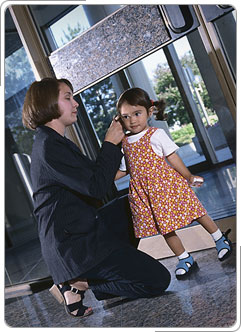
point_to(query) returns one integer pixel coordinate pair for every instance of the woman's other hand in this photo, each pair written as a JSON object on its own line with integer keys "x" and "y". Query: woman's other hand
{"x": 115, "y": 132}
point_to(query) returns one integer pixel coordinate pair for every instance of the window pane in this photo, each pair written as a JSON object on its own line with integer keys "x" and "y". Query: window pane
{"x": 226, "y": 31}
{"x": 100, "y": 103}
{"x": 23, "y": 259}
{"x": 69, "y": 26}
{"x": 179, "y": 124}
{"x": 58, "y": 24}
{"x": 204, "y": 105}
{"x": 18, "y": 77}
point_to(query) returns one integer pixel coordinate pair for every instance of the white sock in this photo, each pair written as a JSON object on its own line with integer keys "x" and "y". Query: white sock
{"x": 217, "y": 235}
{"x": 183, "y": 255}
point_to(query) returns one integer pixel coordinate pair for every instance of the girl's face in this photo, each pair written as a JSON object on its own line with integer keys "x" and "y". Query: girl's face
{"x": 134, "y": 117}
{"x": 67, "y": 105}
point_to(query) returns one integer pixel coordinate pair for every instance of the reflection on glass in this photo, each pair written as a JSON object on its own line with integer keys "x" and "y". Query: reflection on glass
{"x": 218, "y": 193}
{"x": 180, "y": 126}
{"x": 20, "y": 225}
{"x": 225, "y": 27}
{"x": 203, "y": 102}
{"x": 179, "y": 123}
{"x": 60, "y": 24}
{"x": 69, "y": 26}
{"x": 18, "y": 77}
{"x": 100, "y": 103}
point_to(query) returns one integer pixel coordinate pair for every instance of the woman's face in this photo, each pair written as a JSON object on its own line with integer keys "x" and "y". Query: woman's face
{"x": 67, "y": 105}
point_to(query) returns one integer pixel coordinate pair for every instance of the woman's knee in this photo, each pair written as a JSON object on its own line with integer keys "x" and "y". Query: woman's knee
{"x": 164, "y": 280}
{"x": 158, "y": 288}
{"x": 158, "y": 281}
{"x": 155, "y": 274}
{"x": 162, "y": 277}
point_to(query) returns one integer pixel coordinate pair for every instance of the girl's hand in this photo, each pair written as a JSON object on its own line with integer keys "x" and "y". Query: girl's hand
{"x": 196, "y": 181}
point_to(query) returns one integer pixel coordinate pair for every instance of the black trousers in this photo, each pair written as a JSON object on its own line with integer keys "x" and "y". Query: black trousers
{"x": 128, "y": 272}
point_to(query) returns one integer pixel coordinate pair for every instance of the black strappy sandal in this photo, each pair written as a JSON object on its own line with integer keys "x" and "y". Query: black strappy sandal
{"x": 58, "y": 293}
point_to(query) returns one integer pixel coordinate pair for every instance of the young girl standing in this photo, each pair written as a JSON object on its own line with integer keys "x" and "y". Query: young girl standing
{"x": 160, "y": 195}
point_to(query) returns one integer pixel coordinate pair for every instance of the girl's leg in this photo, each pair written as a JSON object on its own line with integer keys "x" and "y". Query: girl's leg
{"x": 223, "y": 245}
{"x": 186, "y": 261}
{"x": 207, "y": 222}
{"x": 174, "y": 243}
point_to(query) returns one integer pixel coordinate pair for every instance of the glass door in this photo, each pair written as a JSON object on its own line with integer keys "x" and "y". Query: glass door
{"x": 23, "y": 260}
{"x": 193, "y": 115}
{"x": 179, "y": 122}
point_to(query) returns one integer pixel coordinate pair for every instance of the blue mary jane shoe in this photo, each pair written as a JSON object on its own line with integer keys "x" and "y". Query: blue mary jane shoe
{"x": 224, "y": 243}
{"x": 188, "y": 265}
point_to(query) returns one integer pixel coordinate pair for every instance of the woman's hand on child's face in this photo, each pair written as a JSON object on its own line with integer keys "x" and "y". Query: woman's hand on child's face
{"x": 196, "y": 181}
{"x": 117, "y": 117}
{"x": 115, "y": 132}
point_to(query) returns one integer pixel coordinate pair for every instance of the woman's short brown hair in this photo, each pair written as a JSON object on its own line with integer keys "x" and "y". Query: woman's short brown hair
{"x": 41, "y": 102}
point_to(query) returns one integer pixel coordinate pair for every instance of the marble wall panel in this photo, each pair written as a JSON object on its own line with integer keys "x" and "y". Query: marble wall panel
{"x": 112, "y": 43}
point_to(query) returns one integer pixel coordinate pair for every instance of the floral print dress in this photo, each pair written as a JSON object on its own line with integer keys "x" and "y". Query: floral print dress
{"x": 160, "y": 198}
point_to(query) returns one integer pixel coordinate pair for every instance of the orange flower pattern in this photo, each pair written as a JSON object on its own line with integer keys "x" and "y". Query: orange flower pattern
{"x": 160, "y": 198}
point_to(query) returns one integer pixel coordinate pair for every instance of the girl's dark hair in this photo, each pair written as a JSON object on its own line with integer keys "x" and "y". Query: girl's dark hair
{"x": 41, "y": 102}
{"x": 137, "y": 96}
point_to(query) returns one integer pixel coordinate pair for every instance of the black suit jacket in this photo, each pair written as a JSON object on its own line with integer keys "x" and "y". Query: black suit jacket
{"x": 67, "y": 186}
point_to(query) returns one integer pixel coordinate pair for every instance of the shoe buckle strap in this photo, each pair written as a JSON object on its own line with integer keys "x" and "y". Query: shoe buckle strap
{"x": 74, "y": 290}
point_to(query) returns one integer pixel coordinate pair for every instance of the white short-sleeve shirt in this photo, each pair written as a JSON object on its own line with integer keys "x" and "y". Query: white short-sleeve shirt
{"x": 160, "y": 142}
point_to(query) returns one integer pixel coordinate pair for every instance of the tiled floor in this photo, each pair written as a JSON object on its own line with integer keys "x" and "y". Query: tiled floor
{"x": 206, "y": 299}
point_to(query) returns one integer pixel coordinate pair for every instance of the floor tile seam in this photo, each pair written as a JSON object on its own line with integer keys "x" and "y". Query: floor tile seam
{"x": 8, "y": 276}
{"x": 25, "y": 276}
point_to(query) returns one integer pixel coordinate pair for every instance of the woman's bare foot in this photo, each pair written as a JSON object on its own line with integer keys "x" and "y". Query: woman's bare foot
{"x": 80, "y": 284}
